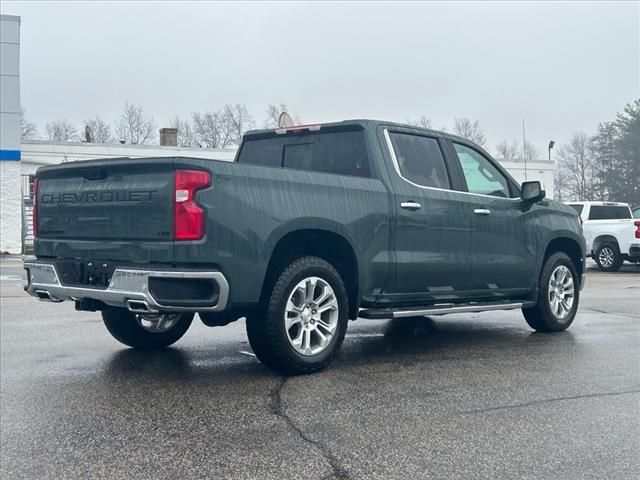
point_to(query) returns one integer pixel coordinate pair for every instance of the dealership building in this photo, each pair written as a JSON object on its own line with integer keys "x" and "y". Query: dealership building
{"x": 19, "y": 160}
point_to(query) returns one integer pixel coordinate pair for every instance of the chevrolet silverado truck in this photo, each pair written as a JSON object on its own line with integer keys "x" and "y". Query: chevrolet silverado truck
{"x": 611, "y": 233}
{"x": 309, "y": 227}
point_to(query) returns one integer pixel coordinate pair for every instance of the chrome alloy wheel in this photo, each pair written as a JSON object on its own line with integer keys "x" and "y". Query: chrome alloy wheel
{"x": 561, "y": 291}
{"x": 157, "y": 322}
{"x": 606, "y": 256}
{"x": 311, "y": 316}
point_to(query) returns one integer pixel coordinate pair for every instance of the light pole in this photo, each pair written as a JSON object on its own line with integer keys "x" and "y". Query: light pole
{"x": 555, "y": 172}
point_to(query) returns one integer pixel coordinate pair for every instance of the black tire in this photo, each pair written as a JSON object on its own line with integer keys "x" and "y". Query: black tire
{"x": 124, "y": 327}
{"x": 541, "y": 317}
{"x": 603, "y": 255}
{"x": 266, "y": 327}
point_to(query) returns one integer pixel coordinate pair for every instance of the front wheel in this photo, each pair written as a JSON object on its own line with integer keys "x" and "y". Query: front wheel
{"x": 608, "y": 258}
{"x": 146, "y": 331}
{"x": 558, "y": 296}
{"x": 303, "y": 324}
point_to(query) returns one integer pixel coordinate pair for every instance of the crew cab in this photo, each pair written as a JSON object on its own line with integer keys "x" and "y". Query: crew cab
{"x": 309, "y": 227}
{"x": 611, "y": 233}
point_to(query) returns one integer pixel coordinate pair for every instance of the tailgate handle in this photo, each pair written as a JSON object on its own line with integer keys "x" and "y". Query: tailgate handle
{"x": 94, "y": 174}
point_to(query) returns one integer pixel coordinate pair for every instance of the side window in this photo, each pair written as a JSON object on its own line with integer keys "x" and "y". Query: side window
{"x": 420, "y": 160}
{"x": 577, "y": 208}
{"x": 266, "y": 152}
{"x": 481, "y": 176}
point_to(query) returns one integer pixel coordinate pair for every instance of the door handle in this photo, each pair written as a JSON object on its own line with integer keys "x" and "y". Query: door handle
{"x": 411, "y": 205}
{"x": 482, "y": 211}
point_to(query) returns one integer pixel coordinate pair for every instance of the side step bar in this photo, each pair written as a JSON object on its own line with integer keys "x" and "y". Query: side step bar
{"x": 442, "y": 309}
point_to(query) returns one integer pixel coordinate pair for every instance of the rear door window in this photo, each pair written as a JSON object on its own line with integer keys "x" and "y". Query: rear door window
{"x": 609, "y": 212}
{"x": 420, "y": 160}
{"x": 338, "y": 152}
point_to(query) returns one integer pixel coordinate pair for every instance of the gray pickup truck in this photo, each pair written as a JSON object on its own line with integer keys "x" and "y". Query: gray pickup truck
{"x": 310, "y": 226}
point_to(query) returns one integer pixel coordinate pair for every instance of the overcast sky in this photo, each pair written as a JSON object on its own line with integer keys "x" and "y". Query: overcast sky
{"x": 562, "y": 66}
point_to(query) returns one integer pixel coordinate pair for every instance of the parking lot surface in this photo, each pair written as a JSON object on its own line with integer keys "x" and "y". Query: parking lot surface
{"x": 460, "y": 396}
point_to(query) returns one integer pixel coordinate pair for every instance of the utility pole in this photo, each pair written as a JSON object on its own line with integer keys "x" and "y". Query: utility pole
{"x": 524, "y": 151}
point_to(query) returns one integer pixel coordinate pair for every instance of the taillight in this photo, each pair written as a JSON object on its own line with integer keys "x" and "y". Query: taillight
{"x": 34, "y": 212}
{"x": 637, "y": 224}
{"x": 188, "y": 216}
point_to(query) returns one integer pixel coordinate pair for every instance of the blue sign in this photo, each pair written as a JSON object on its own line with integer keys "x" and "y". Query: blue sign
{"x": 9, "y": 154}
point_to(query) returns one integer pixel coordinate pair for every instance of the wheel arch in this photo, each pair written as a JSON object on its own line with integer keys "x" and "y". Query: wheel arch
{"x": 605, "y": 238}
{"x": 327, "y": 244}
{"x": 571, "y": 247}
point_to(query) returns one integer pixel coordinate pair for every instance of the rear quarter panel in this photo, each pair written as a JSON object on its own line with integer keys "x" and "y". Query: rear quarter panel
{"x": 250, "y": 208}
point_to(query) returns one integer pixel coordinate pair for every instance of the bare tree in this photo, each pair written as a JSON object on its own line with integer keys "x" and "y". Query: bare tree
{"x": 186, "y": 133}
{"x": 134, "y": 126}
{"x": 470, "y": 130}
{"x": 240, "y": 119}
{"x": 513, "y": 152}
{"x": 61, "y": 130}
{"x": 206, "y": 127}
{"x": 273, "y": 115}
{"x": 422, "y": 122}
{"x": 531, "y": 153}
{"x": 559, "y": 184}
{"x": 28, "y": 130}
{"x": 213, "y": 129}
{"x": 576, "y": 169}
{"x": 100, "y": 130}
{"x": 509, "y": 151}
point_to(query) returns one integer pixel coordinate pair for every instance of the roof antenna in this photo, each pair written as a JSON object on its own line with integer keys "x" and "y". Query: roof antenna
{"x": 285, "y": 120}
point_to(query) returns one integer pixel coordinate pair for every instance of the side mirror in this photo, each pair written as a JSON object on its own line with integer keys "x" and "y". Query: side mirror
{"x": 532, "y": 191}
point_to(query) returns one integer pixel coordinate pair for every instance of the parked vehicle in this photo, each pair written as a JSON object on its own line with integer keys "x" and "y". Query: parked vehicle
{"x": 309, "y": 227}
{"x": 636, "y": 211}
{"x": 611, "y": 233}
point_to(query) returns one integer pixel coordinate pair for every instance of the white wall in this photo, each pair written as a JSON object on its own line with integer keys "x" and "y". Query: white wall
{"x": 542, "y": 171}
{"x": 10, "y": 200}
{"x": 36, "y": 153}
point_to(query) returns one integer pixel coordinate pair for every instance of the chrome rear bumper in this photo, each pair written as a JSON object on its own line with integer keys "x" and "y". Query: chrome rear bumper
{"x": 128, "y": 288}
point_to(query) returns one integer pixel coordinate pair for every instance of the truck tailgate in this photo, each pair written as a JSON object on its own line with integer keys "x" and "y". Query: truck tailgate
{"x": 121, "y": 200}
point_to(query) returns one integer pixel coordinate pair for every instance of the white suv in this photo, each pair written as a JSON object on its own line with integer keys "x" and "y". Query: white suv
{"x": 611, "y": 233}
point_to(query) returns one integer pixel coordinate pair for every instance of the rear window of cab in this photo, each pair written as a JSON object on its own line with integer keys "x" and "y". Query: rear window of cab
{"x": 609, "y": 212}
{"x": 338, "y": 152}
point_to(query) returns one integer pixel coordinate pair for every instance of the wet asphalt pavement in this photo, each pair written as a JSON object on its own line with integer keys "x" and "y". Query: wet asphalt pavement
{"x": 462, "y": 396}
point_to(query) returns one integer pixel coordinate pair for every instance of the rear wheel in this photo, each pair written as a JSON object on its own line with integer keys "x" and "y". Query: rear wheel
{"x": 558, "y": 295}
{"x": 608, "y": 257}
{"x": 146, "y": 331}
{"x": 303, "y": 324}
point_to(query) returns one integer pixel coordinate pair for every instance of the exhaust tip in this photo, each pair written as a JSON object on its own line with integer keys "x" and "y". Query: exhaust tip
{"x": 45, "y": 296}
{"x": 139, "y": 306}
